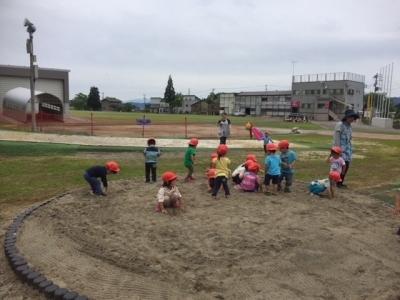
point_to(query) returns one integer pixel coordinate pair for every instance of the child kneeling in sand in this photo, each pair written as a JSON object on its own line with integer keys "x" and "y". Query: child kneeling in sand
{"x": 237, "y": 174}
{"x": 168, "y": 195}
{"x": 318, "y": 187}
{"x": 250, "y": 180}
{"x": 93, "y": 174}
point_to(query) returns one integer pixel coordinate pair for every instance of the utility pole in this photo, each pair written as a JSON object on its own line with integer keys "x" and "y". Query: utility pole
{"x": 144, "y": 114}
{"x": 293, "y": 63}
{"x": 34, "y": 74}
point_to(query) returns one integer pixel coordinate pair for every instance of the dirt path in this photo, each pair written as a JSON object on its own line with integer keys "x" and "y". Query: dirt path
{"x": 292, "y": 246}
{"x": 7, "y": 135}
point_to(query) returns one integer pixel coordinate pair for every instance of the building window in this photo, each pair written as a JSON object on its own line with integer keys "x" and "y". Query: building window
{"x": 321, "y": 105}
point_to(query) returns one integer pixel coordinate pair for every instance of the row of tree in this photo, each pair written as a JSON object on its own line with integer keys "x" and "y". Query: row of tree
{"x": 82, "y": 101}
{"x": 92, "y": 101}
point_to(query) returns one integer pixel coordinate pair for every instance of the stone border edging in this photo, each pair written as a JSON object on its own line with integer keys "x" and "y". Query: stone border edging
{"x": 24, "y": 270}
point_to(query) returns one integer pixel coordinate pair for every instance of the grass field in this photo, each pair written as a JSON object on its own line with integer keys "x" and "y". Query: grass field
{"x": 123, "y": 117}
{"x": 33, "y": 171}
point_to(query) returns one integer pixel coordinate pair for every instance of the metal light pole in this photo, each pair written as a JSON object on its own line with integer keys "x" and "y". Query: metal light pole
{"x": 33, "y": 69}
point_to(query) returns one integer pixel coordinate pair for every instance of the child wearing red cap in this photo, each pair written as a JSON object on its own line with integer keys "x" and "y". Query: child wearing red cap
{"x": 189, "y": 158}
{"x": 211, "y": 172}
{"x": 93, "y": 174}
{"x": 250, "y": 181}
{"x": 151, "y": 154}
{"x": 288, "y": 158}
{"x": 237, "y": 174}
{"x": 168, "y": 195}
{"x": 222, "y": 168}
{"x": 337, "y": 168}
{"x": 272, "y": 169}
{"x": 334, "y": 179}
{"x": 336, "y": 161}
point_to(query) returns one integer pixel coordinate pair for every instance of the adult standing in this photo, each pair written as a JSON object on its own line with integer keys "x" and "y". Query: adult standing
{"x": 224, "y": 128}
{"x": 342, "y": 138}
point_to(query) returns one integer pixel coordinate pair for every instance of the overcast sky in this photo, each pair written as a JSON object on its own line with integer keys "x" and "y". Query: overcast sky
{"x": 128, "y": 48}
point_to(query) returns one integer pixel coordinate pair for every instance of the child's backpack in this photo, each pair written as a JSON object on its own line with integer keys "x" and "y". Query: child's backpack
{"x": 249, "y": 182}
{"x": 316, "y": 187}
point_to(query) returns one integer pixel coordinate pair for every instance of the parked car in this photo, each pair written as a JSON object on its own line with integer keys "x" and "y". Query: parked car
{"x": 296, "y": 117}
{"x": 239, "y": 114}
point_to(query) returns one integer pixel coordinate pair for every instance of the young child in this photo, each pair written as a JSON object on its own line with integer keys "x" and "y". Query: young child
{"x": 272, "y": 169}
{"x": 318, "y": 187}
{"x": 189, "y": 158}
{"x": 222, "y": 166}
{"x": 211, "y": 172}
{"x": 288, "y": 158}
{"x": 92, "y": 174}
{"x": 168, "y": 195}
{"x": 250, "y": 181}
{"x": 267, "y": 140}
{"x": 237, "y": 174}
{"x": 337, "y": 162}
{"x": 334, "y": 179}
{"x": 214, "y": 157}
{"x": 211, "y": 175}
{"x": 151, "y": 153}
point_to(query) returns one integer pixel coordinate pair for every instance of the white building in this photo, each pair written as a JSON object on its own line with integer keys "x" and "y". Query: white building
{"x": 52, "y": 88}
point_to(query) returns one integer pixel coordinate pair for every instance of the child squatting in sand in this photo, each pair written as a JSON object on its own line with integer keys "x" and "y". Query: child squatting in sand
{"x": 168, "y": 195}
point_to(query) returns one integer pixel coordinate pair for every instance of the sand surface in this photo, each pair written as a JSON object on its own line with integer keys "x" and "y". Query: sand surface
{"x": 251, "y": 246}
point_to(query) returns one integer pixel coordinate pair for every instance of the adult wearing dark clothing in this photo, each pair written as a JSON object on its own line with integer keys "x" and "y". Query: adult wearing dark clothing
{"x": 224, "y": 129}
{"x": 93, "y": 174}
{"x": 342, "y": 138}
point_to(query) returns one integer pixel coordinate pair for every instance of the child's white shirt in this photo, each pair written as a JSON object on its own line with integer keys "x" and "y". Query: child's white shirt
{"x": 325, "y": 182}
{"x": 165, "y": 193}
{"x": 239, "y": 170}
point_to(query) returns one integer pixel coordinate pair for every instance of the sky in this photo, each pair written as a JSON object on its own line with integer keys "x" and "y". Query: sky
{"x": 128, "y": 48}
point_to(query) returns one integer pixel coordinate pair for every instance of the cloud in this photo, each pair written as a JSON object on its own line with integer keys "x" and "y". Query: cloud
{"x": 129, "y": 48}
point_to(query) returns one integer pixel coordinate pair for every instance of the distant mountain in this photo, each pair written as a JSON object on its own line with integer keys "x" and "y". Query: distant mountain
{"x": 396, "y": 101}
{"x": 138, "y": 103}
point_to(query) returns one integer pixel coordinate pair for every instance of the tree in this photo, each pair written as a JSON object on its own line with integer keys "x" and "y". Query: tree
{"x": 169, "y": 95}
{"x": 178, "y": 100}
{"x": 211, "y": 97}
{"x": 93, "y": 101}
{"x": 80, "y": 101}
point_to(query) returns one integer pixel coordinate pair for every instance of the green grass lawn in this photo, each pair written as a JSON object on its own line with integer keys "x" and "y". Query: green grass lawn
{"x": 36, "y": 171}
{"x": 123, "y": 117}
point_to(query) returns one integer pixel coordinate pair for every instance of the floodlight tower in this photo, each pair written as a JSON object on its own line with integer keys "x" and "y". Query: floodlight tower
{"x": 30, "y": 28}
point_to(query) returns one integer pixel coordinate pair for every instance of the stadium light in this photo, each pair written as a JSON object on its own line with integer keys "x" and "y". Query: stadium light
{"x": 34, "y": 70}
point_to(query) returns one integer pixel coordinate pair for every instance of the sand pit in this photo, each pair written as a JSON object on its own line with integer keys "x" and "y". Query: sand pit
{"x": 252, "y": 246}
